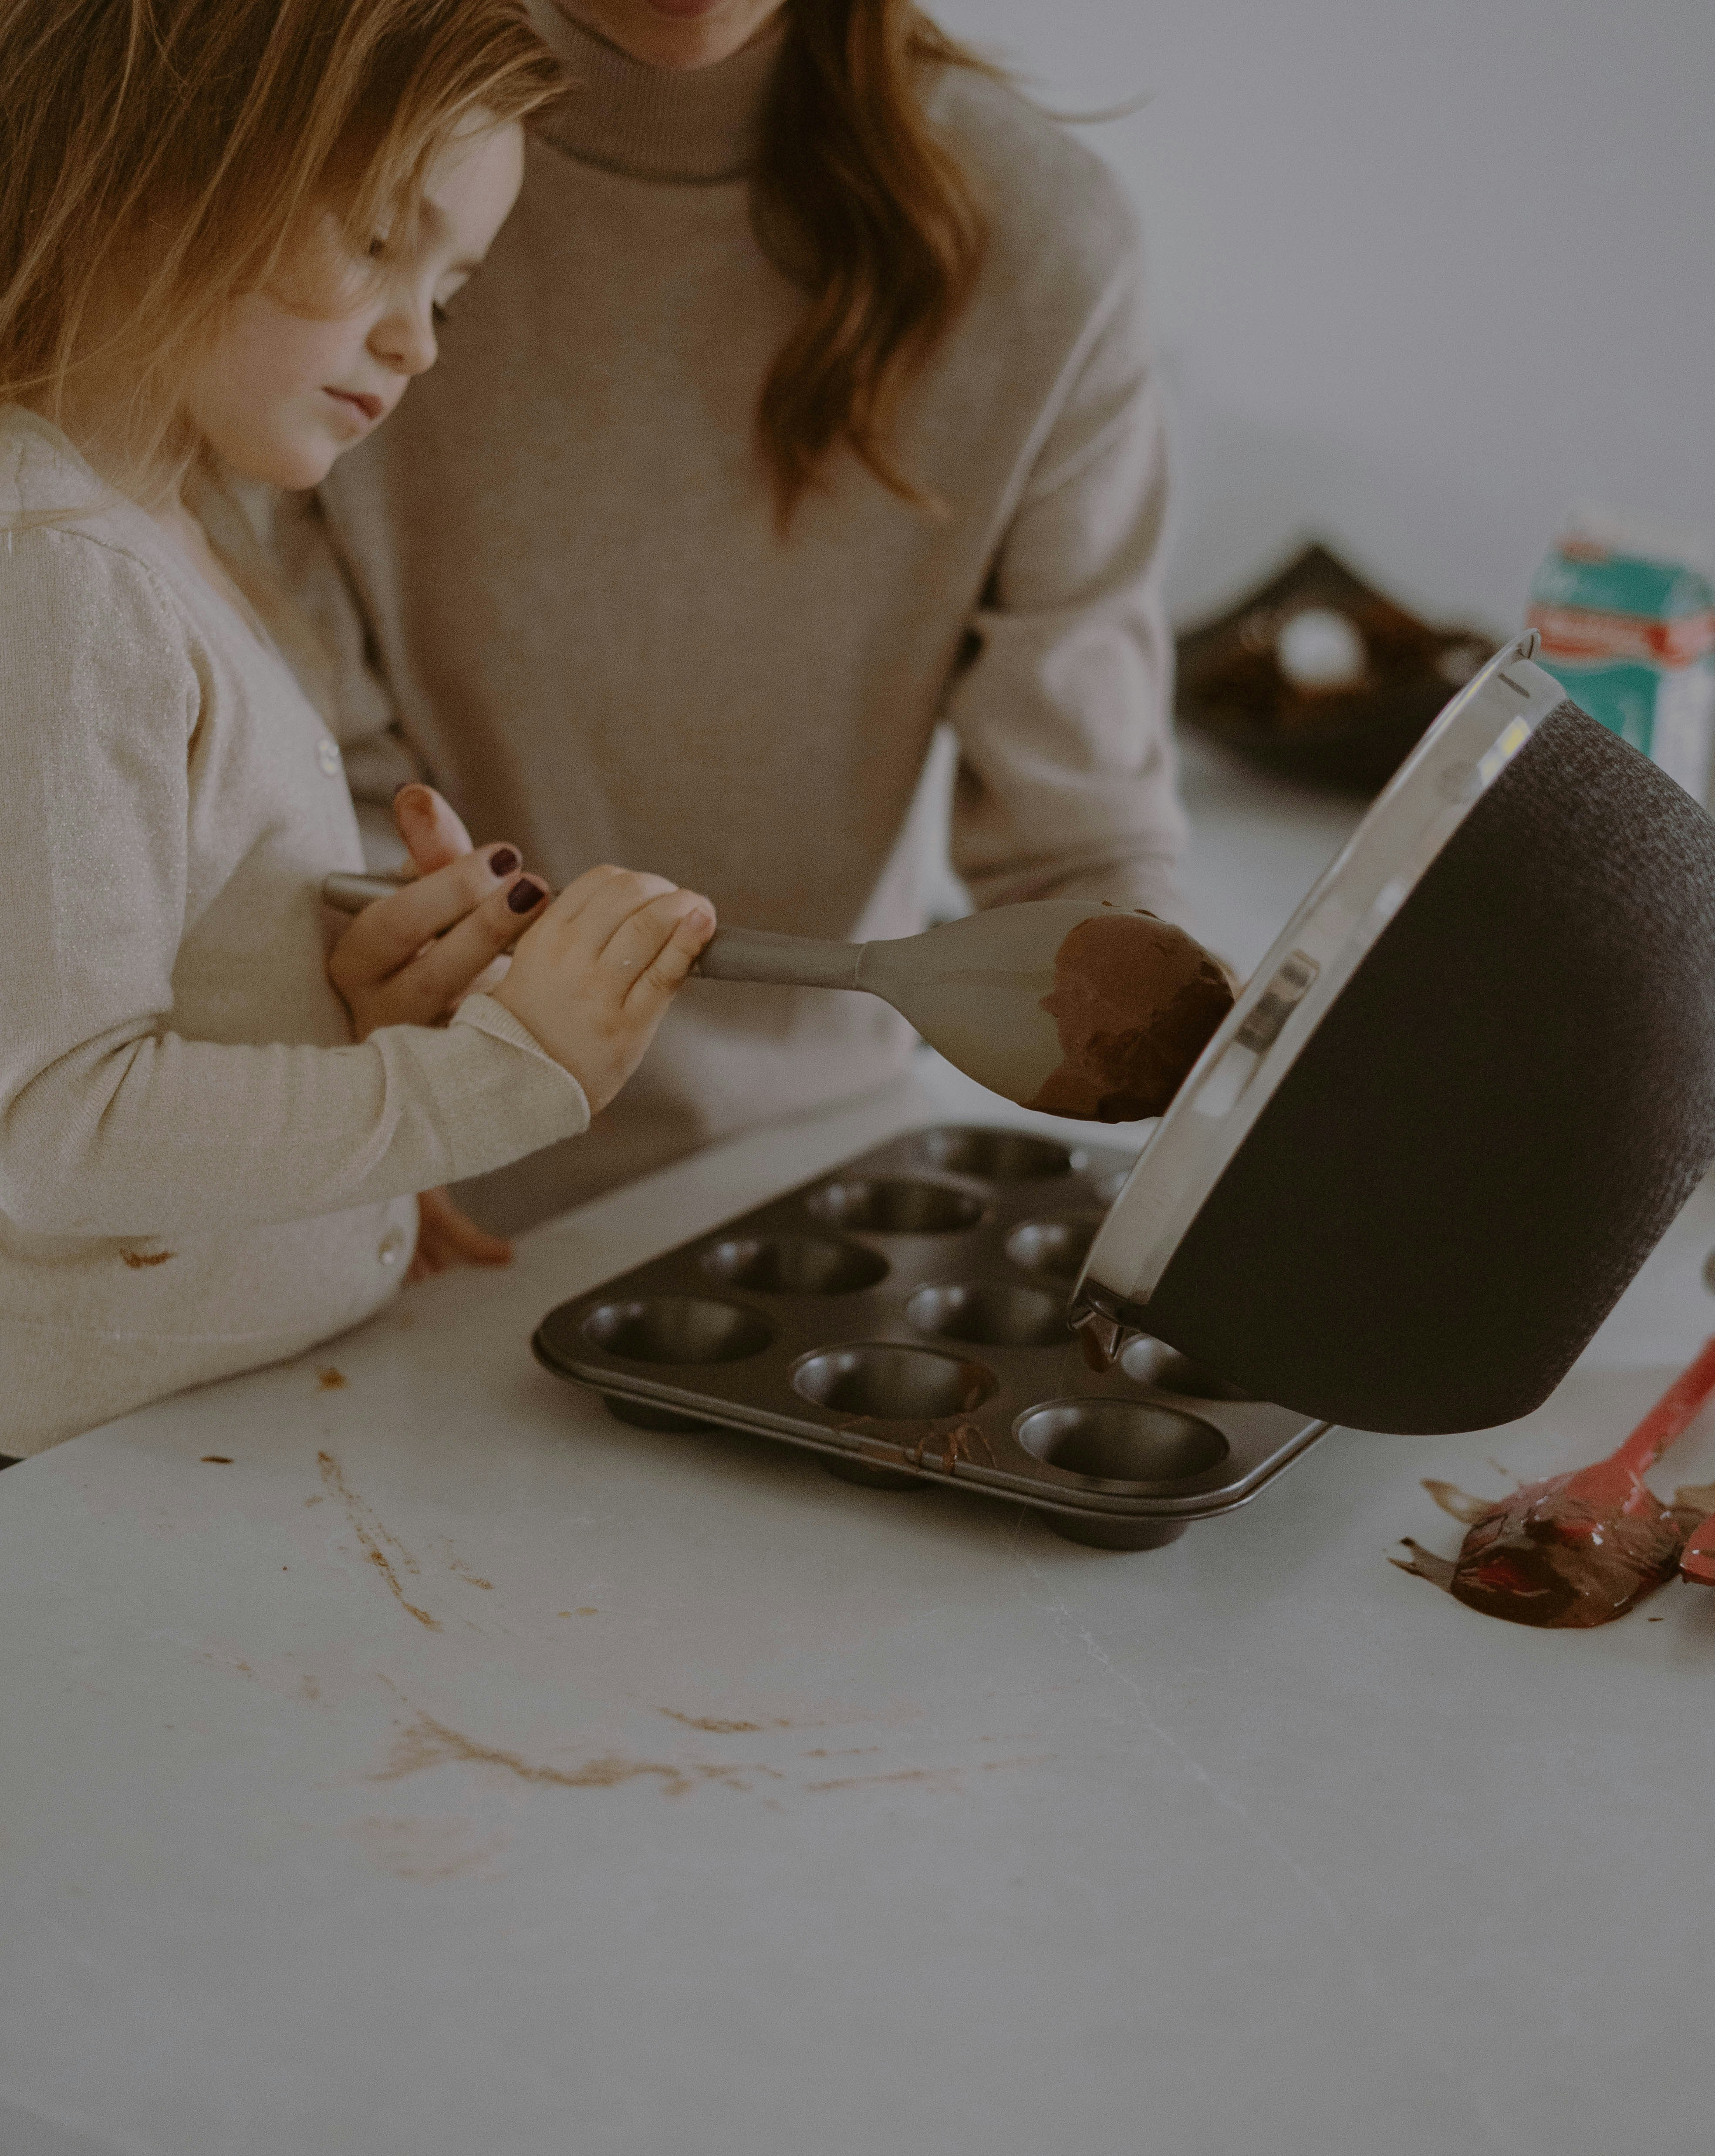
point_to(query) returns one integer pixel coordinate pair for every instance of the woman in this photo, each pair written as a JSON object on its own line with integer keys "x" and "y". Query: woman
{"x": 804, "y": 402}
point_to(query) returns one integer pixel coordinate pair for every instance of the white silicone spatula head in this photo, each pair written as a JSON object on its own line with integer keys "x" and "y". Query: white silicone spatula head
{"x": 1078, "y": 1010}
{"x": 1075, "y": 1009}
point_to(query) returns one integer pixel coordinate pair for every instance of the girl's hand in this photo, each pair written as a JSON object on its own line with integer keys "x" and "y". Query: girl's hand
{"x": 410, "y": 959}
{"x": 593, "y": 977}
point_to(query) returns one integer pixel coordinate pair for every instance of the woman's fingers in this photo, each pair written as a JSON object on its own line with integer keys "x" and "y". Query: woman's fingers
{"x": 388, "y": 935}
{"x": 449, "y": 969}
{"x": 434, "y": 836}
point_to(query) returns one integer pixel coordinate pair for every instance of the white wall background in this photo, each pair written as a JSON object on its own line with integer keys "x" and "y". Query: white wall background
{"x": 1425, "y": 275}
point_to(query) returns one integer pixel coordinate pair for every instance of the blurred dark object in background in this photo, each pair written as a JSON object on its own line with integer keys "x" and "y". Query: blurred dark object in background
{"x": 1318, "y": 675}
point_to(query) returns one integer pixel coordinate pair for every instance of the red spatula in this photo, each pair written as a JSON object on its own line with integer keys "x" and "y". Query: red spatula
{"x": 1579, "y": 1549}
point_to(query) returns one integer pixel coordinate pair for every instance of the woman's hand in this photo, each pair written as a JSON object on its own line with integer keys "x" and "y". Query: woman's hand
{"x": 592, "y": 991}
{"x": 446, "y": 1235}
{"x": 411, "y": 958}
{"x": 434, "y": 834}
{"x": 379, "y": 992}
{"x": 592, "y": 978}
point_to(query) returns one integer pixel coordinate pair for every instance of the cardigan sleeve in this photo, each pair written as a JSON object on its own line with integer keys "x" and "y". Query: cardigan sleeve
{"x": 111, "y": 1123}
{"x": 1062, "y": 703}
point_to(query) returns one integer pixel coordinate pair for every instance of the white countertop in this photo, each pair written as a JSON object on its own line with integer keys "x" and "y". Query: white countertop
{"x": 513, "y": 1781}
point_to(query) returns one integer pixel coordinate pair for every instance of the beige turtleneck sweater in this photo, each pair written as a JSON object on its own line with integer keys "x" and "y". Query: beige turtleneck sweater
{"x": 603, "y": 648}
{"x": 199, "y": 1170}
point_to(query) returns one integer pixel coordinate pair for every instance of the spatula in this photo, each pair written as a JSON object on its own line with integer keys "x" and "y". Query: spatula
{"x": 1580, "y": 1548}
{"x": 1101, "y": 1025}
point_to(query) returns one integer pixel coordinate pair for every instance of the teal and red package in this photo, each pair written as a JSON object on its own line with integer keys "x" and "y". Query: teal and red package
{"x": 1631, "y": 637}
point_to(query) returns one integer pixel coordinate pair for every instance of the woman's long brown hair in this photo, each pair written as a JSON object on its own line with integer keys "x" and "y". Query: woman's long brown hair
{"x": 869, "y": 210}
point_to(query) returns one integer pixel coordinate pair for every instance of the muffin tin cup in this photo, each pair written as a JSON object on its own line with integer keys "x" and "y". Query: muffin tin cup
{"x": 903, "y": 1317}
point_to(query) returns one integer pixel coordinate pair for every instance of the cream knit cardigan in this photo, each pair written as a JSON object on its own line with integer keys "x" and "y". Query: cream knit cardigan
{"x": 199, "y": 1171}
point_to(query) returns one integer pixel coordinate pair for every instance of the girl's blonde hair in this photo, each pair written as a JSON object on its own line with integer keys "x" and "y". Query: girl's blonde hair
{"x": 160, "y": 158}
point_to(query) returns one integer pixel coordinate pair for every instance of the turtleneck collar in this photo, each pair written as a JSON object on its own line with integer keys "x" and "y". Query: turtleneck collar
{"x": 694, "y": 126}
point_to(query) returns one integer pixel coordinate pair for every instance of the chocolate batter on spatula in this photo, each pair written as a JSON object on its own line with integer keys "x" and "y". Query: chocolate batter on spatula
{"x": 1136, "y": 1001}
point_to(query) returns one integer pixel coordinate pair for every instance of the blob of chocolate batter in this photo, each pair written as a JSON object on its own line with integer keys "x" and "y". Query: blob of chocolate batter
{"x": 1135, "y": 1000}
{"x": 1542, "y": 1556}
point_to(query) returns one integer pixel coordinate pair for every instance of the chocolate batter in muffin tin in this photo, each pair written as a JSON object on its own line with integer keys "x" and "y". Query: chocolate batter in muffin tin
{"x": 904, "y": 1316}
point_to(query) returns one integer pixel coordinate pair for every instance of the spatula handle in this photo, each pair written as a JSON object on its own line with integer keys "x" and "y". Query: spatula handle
{"x": 758, "y": 954}
{"x": 731, "y": 954}
{"x": 351, "y": 894}
{"x": 1670, "y": 1415}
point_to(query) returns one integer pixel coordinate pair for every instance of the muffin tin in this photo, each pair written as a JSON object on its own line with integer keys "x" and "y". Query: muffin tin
{"x": 904, "y": 1316}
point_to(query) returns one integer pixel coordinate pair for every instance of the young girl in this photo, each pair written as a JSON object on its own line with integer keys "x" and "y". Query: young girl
{"x": 227, "y": 229}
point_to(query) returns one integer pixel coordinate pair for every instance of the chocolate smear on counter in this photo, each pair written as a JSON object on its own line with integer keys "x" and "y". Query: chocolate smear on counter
{"x": 1135, "y": 1001}
{"x": 1693, "y": 1503}
{"x": 1694, "y": 1510}
{"x": 1582, "y": 1548}
{"x": 1544, "y": 1557}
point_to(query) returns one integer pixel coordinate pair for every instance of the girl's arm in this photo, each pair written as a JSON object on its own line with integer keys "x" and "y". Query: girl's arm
{"x": 111, "y": 1123}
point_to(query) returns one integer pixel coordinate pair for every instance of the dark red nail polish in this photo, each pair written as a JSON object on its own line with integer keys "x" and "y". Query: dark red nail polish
{"x": 502, "y": 861}
{"x": 525, "y": 895}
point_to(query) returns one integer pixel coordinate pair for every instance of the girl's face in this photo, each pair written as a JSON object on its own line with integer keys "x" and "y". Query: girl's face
{"x": 282, "y": 393}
